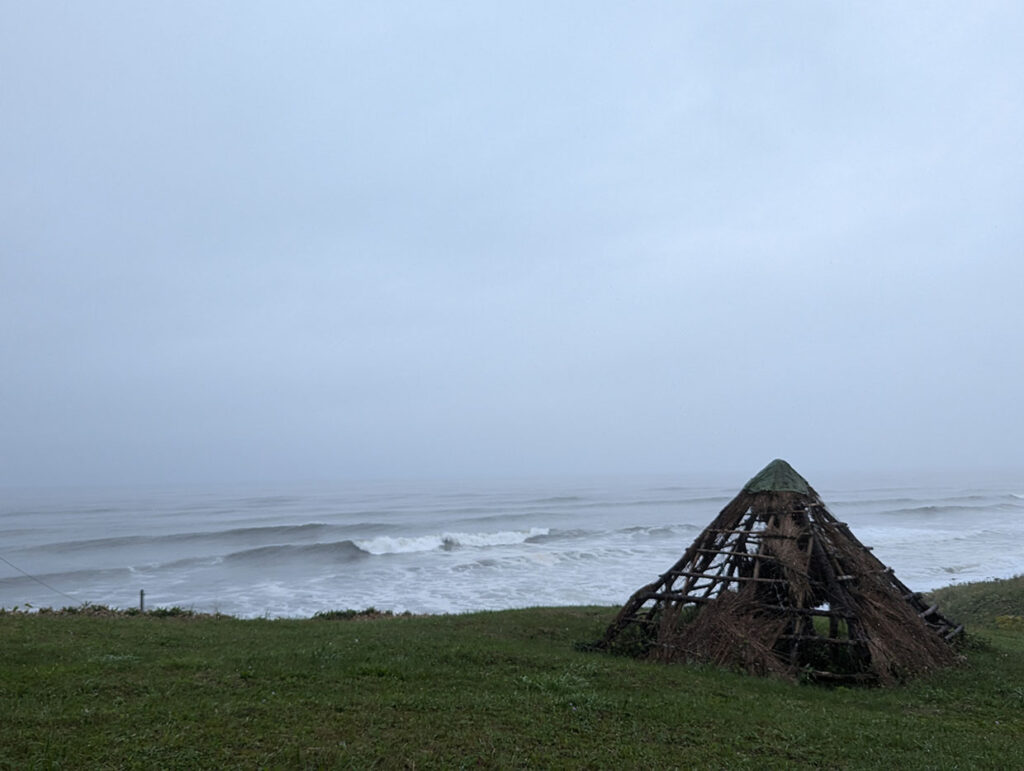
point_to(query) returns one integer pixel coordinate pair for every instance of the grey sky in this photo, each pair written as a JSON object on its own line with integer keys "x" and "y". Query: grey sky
{"x": 272, "y": 241}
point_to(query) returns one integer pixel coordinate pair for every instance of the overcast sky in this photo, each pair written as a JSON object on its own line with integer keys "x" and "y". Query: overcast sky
{"x": 287, "y": 241}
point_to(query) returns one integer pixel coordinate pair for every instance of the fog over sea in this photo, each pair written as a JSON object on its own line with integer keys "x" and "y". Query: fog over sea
{"x": 448, "y": 547}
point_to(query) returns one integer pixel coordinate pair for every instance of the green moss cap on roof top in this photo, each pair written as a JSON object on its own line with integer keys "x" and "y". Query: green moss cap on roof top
{"x": 778, "y": 476}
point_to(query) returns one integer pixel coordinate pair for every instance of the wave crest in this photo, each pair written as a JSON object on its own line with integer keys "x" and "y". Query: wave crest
{"x": 386, "y": 544}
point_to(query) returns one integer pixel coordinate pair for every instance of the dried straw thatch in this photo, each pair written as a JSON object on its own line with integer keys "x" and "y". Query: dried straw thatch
{"x": 775, "y": 584}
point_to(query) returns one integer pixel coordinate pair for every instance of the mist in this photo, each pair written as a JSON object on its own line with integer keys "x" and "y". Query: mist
{"x": 250, "y": 242}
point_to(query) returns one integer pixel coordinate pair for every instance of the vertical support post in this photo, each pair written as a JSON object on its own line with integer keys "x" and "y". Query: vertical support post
{"x": 142, "y": 600}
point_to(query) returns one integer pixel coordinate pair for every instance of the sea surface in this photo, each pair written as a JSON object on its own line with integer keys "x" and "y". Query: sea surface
{"x": 446, "y": 547}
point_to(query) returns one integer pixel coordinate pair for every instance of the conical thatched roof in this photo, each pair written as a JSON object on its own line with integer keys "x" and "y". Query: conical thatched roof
{"x": 776, "y": 584}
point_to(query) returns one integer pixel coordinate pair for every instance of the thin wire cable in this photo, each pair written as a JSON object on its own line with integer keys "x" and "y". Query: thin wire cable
{"x": 38, "y": 580}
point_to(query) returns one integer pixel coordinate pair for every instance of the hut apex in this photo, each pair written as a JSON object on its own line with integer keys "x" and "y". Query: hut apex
{"x": 775, "y": 584}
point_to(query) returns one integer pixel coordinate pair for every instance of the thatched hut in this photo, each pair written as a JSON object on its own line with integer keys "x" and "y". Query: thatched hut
{"x": 775, "y": 584}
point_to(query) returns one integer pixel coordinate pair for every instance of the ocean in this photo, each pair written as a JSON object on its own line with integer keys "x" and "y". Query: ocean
{"x": 445, "y": 547}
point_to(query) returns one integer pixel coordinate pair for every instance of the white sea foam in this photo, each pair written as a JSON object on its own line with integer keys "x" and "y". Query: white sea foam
{"x": 405, "y": 545}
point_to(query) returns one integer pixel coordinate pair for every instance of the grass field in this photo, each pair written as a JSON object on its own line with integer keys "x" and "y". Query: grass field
{"x": 501, "y": 689}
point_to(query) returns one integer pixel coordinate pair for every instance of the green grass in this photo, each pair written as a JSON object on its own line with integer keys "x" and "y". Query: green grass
{"x": 982, "y": 602}
{"x": 501, "y": 689}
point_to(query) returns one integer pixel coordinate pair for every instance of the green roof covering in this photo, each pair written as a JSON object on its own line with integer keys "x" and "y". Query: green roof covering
{"x": 778, "y": 476}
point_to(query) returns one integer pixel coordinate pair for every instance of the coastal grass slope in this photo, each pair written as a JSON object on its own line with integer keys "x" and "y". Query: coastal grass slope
{"x": 498, "y": 689}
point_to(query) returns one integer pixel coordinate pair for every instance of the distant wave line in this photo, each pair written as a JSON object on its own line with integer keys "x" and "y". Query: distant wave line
{"x": 273, "y": 531}
{"x": 950, "y": 509}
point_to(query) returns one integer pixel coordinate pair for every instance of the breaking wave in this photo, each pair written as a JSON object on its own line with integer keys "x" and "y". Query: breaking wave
{"x": 404, "y": 545}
